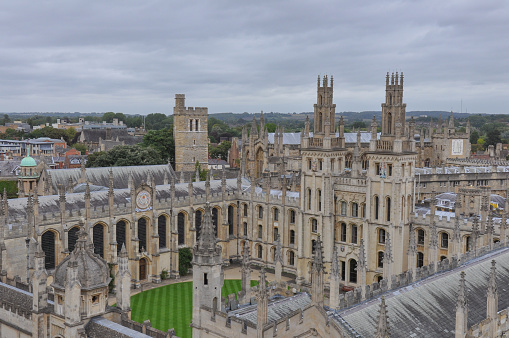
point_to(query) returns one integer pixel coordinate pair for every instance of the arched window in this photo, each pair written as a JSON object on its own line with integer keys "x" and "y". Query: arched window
{"x": 343, "y": 232}
{"x": 48, "y": 246}
{"x": 314, "y": 225}
{"x": 276, "y": 214}
{"x": 98, "y": 237}
{"x": 276, "y": 233}
{"x": 380, "y": 259}
{"x": 215, "y": 216}
{"x": 389, "y": 123}
{"x": 260, "y": 251}
{"x": 355, "y": 210}
{"x": 343, "y": 208}
{"x": 161, "y": 231}
{"x": 260, "y": 212}
{"x": 196, "y": 125}
{"x": 420, "y": 259}
{"x": 348, "y": 161}
{"x": 309, "y": 199}
{"x": 388, "y": 216}
{"x": 72, "y": 237}
{"x": 292, "y": 258}
{"x": 245, "y": 210}
{"x": 313, "y": 246}
{"x": 381, "y": 236}
{"x": 142, "y": 234}
{"x": 377, "y": 205}
{"x": 190, "y": 125}
{"x": 121, "y": 235}
{"x": 319, "y": 193}
{"x": 354, "y": 233}
{"x": 230, "y": 220}
{"x": 292, "y": 216}
{"x": 353, "y": 271}
{"x": 468, "y": 243}
{"x": 260, "y": 231}
{"x": 197, "y": 223}
{"x": 245, "y": 228}
{"x": 181, "y": 228}
{"x": 420, "y": 237}
{"x": 444, "y": 240}
{"x": 292, "y": 237}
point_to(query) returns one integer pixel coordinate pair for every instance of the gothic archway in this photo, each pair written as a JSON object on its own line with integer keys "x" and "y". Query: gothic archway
{"x": 259, "y": 163}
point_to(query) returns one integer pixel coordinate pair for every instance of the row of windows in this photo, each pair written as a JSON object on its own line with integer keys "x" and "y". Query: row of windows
{"x": 356, "y": 210}
{"x": 275, "y": 214}
{"x": 354, "y": 237}
{"x": 259, "y": 254}
{"x": 275, "y": 232}
{"x": 443, "y": 236}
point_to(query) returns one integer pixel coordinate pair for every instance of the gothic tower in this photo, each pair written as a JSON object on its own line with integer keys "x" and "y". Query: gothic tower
{"x": 208, "y": 278}
{"x": 325, "y": 110}
{"x": 393, "y": 109}
{"x": 191, "y": 135}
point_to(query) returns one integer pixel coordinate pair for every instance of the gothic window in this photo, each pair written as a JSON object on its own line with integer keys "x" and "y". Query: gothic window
{"x": 161, "y": 231}
{"x": 353, "y": 271}
{"x": 309, "y": 199}
{"x": 292, "y": 237}
{"x": 98, "y": 237}
{"x": 142, "y": 234}
{"x": 319, "y": 200}
{"x": 260, "y": 212}
{"x": 276, "y": 214}
{"x": 389, "y": 123}
{"x": 181, "y": 228}
{"x": 245, "y": 210}
{"x": 72, "y": 237}
{"x": 355, "y": 210}
{"x": 313, "y": 246}
{"x": 377, "y": 206}
{"x": 380, "y": 260}
{"x": 245, "y": 228}
{"x": 276, "y": 233}
{"x": 348, "y": 161}
{"x": 343, "y": 270}
{"x": 197, "y": 223}
{"x": 420, "y": 237}
{"x": 190, "y": 125}
{"x": 196, "y": 125}
{"x": 260, "y": 252}
{"x": 354, "y": 234}
{"x": 343, "y": 208}
{"x": 260, "y": 231}
{"x": 48, "y": 246}
{"x": 381, "y": 236}
{"x": 215, "y": 219}
{"x": 230, "y": 220}
{"x": 292, "y": 258}
{"x": 292, "y": 216}
{"x": 444, "y": 240}
{"x": 420, "y": 259}
{"x": 314, "y": 225}
{"x": 343, "y": 232}
{"x": 388, "y": 209}
{"x": 389, "y": 169}
{"x": 120, "y": 234}
{"x": 468, "y": 243}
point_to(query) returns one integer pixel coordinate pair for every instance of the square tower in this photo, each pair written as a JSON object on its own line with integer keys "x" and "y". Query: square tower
{"x": 191, "y": 135}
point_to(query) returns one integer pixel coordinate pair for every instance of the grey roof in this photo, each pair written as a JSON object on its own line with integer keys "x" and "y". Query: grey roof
{"x": 278, "y": 308}
{"x": 100, "y": 176}
{"x": 294, "y": 138}
{"x": 93, "y": 135}
{"x": 428, "y": 308}
{"x": 101, "y": 327}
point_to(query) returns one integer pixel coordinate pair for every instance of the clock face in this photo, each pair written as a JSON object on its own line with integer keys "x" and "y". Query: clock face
{"x": 143, "y": 199}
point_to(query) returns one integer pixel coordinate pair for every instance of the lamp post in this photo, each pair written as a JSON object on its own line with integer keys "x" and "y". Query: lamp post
{"x": 27, "y": 241}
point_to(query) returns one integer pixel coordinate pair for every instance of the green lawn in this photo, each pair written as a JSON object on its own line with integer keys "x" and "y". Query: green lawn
{"x": 171, "y": 306}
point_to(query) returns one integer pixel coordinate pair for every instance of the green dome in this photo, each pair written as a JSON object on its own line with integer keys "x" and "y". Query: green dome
{"x": 28, "y": 162}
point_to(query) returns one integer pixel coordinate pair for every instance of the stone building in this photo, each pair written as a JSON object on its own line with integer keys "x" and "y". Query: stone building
{"x": 190, "y": 130}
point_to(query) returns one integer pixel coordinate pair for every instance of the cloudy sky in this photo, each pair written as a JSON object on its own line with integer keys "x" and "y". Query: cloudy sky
{"x": 235, "y": 56}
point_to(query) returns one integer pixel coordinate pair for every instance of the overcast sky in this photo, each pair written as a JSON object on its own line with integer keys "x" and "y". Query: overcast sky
{"x": 236, "y": 56}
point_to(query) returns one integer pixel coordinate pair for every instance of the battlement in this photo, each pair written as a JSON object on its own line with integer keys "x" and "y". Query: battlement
{"x": 396, "y": 81}
{"x": 191, "y": 111}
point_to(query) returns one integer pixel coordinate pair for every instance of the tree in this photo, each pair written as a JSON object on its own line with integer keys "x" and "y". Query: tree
{"x": 493, "y": 137}
{"x": 185, "y": 259}
{"x": 161, "y": 140}
{"x": 359, "y": 125}
{"x": 80, "y": 147}
{"x": 271, "y": 127}
{"x": 157, "y": 121}
{"x": 201, "y": 173}
{"x": 125, "y": 156}
{"x": 474, "y": 136}
{"x": 221, "y": 151}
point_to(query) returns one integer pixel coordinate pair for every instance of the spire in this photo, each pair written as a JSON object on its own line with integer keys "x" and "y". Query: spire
{"x": 382, "y": 328}
{"x": 318, "y": 258}
{"x": 412, "y": 248}
{"x": 279, "y": 251}
{"x": 254, "y": 129}
{"x": 207, "y": 236}
{"x": 387, "y": 251}
{"x": 197, "y": 175}
{"x": 87, "y": 192}
{"x": 461, "y": 309}
{"x": 433, "y": 236}
{"x": 362, "y": 255}
{"x": 306, "y": 127}
{"x": 451, "y": 122}
{"x": 492, "y": 283}
{"x": 110, "y": 183}
{"x": 335, "y": 269}
{"x": 461, "y": 300}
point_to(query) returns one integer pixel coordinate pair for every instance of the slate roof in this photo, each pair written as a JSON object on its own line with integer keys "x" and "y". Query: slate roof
{"x": 428, "y": 308}
{"x": 100, "y": 176}
{"x": 278, "y": 308}
{"x": 294, "y": 138}
{"x": 102, "y": 327}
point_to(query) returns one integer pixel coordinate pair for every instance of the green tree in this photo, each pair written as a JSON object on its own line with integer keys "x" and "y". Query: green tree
{"x": 125, "y": 156}
{"x": 359, "y": 125}
{"x": 161, "y": 140}
{"x": 493, "y": 137}
{"x": 185, "y": 259}
{"x": 80, "y": 147}
{"x": 221, "y": 151}
{"x": 201, "y": 173}
{"x": 157, "y": 121}
{"x": 474, "y": 136}
{"x": 271, "y": 127}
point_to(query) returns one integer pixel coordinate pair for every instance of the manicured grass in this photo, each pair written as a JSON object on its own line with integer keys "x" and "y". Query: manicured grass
{"x": 171, "y": 306}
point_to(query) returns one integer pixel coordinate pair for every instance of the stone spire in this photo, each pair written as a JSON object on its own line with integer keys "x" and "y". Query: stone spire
{"x": 433, "y": 245}
{"x": 388, "y": 260}
{"x": 254, "y": 129}
{"x": 490, "y": 230}
{"x": 461, "y": 309}
{"x": 197, "y": 175}
{"x": 412, "y": 251}
{"x": 492, "y": 293}
{"x": 317, "y": 274}
{"x": 245, "y": 270}
{"x": 262, "y": 304}
{"x": 475, "y": 234}
{"x": 362, "y": 267}
{"x": 278, "y": 260}
{"x": 39, "y": 278}
{"x": 382, "y": 328}
{"x": 207, "y": 241}
{"x": 110, "y": 183}
{"x": 503, "y": 228}
{"x": 306, "y": 127}
{"x": 335, "y": 280}
{"x": 123, "y": 279}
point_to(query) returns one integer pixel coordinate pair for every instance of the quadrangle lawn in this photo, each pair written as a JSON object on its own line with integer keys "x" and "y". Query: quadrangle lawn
{"x": 171, "y": 306}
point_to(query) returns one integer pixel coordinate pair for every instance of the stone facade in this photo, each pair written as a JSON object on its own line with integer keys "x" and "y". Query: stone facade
{"x": 190, "y": 130}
